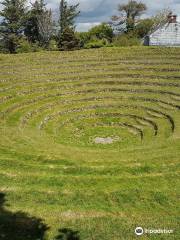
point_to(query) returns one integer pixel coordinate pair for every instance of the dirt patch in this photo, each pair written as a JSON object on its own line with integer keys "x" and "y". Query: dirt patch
{"x": 78, "y": 215}
{"x": 106, "y": 140}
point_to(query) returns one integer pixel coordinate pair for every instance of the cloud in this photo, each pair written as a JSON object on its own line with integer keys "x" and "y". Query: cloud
{"x": 96, "y": 11}
{"x": 85, "y": 26}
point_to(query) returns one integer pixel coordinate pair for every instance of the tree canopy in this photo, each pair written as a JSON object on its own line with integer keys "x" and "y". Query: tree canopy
{"x": 13, "y": 23}
{"x": 66, "y": 37}
{"x": 128, "y": 15}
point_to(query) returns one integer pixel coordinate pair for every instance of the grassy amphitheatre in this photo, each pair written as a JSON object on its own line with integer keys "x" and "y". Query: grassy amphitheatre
{"x": 90, "y": 143}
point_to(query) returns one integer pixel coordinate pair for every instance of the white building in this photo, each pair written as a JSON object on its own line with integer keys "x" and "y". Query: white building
{"x": 167, "y": 35}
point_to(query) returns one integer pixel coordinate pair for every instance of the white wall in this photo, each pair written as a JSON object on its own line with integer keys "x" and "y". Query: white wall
{"x": 169, "y": 35}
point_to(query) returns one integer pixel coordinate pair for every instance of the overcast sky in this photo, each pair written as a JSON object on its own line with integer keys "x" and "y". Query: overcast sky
{"x": 96, "y": 11}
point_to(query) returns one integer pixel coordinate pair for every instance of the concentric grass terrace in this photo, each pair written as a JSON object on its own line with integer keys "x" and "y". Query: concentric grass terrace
{"x": 53, "y": 106}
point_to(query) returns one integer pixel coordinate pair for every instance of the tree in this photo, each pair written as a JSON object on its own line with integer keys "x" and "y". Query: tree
{"x": 68, "y": 40}
{"x": 102, "y": 31}
{"x": 12, "y": 26}
{"x": 39, "y": 25}
{"x": 143, "y": 27}
{"x": 68, "y": 13}
{"x": 160, "y": 19}
{"x": 128, "y": 15}
{"x": 98, "y": 36}
{"x": 45, "y": 27}
{"x": 31, "y": 30}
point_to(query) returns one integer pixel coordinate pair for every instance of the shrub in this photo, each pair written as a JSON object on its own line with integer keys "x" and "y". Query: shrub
{"x": 83, "y": 37}
{"x": 52, "y": 45}
{"x": 126, "y": 40}
{"x": 24, "y": 46}
{"x": 95, "y": 44}
{"x": 68, "y": 40}
{"x": 35, "y": 47}
{"x": 96, "y": 37}
{"x": 2, "y": 48}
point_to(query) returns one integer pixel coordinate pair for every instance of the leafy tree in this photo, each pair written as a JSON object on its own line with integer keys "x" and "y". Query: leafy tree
{"x": 12, "y": 26}
{"x": 102, "y": 31}
{"x": 97, "y": 36}
{"x": 143, "y": 27}
{"x": 68, "y": 13}
{"x": 128, "y": 15}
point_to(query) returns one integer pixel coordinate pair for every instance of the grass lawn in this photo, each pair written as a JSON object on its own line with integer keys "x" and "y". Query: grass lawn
{"x": 90, "y": 144}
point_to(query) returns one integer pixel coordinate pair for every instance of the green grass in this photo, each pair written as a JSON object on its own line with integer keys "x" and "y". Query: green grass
{"x": 53, "y": 176}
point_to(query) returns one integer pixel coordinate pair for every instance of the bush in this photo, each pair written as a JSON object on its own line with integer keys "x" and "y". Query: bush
{"x": 126, "y": 40}
{"x": 52, "y": 45}
{"x": 83, "y": 37}
{"x": 68, "y": 40}
{"x": 24, "y": 46}
{"x": 35, "y": 47}
{"x": 2, "y": 48}
{"x": 96, "y": 37}
{"x": 95, "y": 44}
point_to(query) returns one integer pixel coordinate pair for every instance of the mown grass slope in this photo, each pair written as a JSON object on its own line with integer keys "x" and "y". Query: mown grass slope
{"x": 53, "y": 108}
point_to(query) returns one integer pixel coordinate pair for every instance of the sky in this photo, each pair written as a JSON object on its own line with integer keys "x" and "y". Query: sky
{"x": 94, "y": 12}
